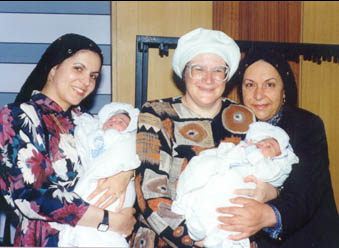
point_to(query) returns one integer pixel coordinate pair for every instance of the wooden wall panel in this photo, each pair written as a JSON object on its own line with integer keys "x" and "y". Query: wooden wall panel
{"x": 270, "y": 21}
{"x": 259, "y": 21}
{"x": 226, "y": 17}
{"x": 156, "y": 18}
{"x": 319, "y": 87}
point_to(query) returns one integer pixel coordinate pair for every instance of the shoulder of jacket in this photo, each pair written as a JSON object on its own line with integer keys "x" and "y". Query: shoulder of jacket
{"x": 301, "y": 120}
{"x": 299, "y": 113}
{"x": 19, "y": 108}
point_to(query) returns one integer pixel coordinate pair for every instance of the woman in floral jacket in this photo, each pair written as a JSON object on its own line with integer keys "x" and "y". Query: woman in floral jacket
{"x": 39, "y": 165}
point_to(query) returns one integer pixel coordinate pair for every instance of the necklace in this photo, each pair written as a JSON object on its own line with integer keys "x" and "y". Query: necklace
{"x": 64, "y": 135}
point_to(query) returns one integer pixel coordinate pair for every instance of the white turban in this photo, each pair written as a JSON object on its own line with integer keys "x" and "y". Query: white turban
{"x": 201, "y": 41}
{"x": 262, "y": 130}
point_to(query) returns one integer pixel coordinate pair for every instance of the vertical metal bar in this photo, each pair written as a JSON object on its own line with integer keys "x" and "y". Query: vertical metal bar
{"x": 139, "y": 72}
{"x": 144, "y": 74}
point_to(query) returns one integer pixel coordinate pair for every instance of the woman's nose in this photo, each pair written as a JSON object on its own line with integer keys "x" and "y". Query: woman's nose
{"x": 86, "y": 80}
{"x": 258, "y": 93}
{"x": 208, "y": 77}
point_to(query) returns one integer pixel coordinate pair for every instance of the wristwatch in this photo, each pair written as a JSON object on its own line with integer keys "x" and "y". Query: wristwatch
{"x": 103, "y": 226}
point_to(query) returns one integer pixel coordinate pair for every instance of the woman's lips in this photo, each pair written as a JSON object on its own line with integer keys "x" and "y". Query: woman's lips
{"x": 260, "y": 106}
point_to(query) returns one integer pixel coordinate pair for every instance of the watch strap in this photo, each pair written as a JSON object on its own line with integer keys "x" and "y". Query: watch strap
{"x": 104, "y": 226}
{"x": 105, "y": 219}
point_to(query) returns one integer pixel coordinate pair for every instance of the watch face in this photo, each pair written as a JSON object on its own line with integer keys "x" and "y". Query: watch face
{"x": 103, "y": 227}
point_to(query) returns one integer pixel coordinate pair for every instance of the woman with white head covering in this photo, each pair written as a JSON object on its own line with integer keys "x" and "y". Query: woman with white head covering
{"x": 171, "y": 131}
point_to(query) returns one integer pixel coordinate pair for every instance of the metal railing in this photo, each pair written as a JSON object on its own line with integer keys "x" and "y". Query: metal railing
{"x": 292, "y": 52}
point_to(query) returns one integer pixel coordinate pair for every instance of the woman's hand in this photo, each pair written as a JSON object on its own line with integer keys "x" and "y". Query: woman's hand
{"x": 113, "y": 188}
{"x": 263, "y": 192}
{"x": 248, "y": 219}
{"x": 123, "y": 221}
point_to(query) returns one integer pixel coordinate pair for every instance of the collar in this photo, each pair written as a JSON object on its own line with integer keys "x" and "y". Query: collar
{"x": 275, "y": 119}
{"x": 50, "y": 107}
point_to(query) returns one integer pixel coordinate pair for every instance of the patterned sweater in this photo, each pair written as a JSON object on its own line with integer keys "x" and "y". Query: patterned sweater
{"x": 169, "y": 135}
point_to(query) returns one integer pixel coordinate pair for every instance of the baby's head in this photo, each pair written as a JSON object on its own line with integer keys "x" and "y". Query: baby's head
{"x": 118, "y": 116}
{"x": 269, "y": 147}
{"x": 118, "y": 121}
{"x": 272, "y": 140}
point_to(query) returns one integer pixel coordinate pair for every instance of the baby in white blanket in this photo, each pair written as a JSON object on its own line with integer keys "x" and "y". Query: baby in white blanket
{"x": 106, "y": 144}
{"x": 210, "y": 179}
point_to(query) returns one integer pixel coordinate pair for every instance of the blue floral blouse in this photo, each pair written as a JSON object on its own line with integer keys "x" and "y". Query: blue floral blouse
{"x": 39, "y": 167}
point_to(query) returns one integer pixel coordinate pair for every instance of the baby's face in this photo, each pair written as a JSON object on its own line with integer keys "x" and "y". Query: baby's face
{"x": 269, "y": 147}
{"x": 119, "y": 122}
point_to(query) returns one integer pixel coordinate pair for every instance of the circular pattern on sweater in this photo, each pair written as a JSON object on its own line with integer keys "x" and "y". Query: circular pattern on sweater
{"x": 237, "y": 118}
{"x": 193, "y": 132}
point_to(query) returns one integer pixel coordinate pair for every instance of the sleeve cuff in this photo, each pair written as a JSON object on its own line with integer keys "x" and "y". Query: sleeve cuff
{"x": 274, "y": 232}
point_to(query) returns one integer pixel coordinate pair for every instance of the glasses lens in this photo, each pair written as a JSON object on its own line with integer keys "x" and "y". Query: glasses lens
{"x": 199, "y": 72}
{"x": 220, "y": 73}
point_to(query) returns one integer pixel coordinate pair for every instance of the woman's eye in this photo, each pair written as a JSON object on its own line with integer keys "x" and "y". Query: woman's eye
{"x": 197, "y": 68}
{"x": 94, "y": 76}
{"x": 220, "y": 70}
{"x": 78, "y": 68}
{"x": 270, "y": 84}
{"x": 249, "y": 85}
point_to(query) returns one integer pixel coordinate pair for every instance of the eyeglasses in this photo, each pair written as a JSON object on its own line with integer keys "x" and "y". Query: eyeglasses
{"x": 199, "y": 72}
